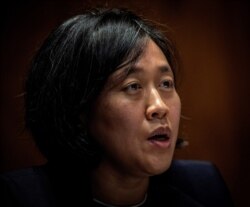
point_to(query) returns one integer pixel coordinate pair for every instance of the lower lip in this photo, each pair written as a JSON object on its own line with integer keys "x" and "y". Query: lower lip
{"x": 161, "y": 144}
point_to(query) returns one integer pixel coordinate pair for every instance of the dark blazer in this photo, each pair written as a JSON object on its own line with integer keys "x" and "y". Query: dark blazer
{"x": 187, "y": 183}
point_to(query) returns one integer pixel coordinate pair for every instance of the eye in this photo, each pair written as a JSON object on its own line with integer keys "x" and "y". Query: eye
{"x": 132, "y": 88}
{"x": 167, "y": 84}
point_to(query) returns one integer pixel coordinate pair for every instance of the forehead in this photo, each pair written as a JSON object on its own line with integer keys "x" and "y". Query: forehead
{"x": 152, "y": 52}
{"x": 152, "y": 60}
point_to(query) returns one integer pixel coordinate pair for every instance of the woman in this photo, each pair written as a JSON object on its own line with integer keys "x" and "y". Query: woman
{"x": 102, "y": 106}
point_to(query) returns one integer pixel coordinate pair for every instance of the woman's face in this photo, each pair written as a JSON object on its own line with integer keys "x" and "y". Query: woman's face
{"x": 136, "y": 120}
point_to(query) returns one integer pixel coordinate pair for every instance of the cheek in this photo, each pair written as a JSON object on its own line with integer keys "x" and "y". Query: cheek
{"x": 115, "y": 120}
{"x": 175, "y": 112}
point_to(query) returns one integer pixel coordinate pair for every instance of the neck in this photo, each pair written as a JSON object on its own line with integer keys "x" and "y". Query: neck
{"x": 118, "y": 188}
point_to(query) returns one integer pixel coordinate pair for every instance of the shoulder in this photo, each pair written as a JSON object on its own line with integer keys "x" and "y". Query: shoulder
{"x": 26, "y": 187}
{"x": 23, "y": 175}
{"x": 194, "y": 170}
{"x": 198, "y": 180}
{"x": 44, "y": 186}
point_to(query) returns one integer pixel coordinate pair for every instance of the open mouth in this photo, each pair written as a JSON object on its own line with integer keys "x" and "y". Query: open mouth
{"x": 159, "y": 137}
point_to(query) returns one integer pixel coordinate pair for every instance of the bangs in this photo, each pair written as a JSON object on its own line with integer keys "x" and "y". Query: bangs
{"x": 124, "y": 69}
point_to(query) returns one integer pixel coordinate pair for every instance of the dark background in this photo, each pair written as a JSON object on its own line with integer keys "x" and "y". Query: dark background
{"x": 213, "y": 39}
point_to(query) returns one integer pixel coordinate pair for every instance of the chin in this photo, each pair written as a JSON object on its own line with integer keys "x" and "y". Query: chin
{"x": 159, "y": 169}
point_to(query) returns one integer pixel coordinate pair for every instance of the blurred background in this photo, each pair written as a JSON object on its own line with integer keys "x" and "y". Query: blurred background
{"x": 213, "y": 41}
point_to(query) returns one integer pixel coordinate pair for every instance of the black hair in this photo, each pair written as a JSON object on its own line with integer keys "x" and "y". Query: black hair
{"x": 69, "y": 71}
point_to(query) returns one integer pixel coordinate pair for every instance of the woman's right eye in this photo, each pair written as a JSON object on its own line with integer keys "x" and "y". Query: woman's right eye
{"x": 132, "y": 88}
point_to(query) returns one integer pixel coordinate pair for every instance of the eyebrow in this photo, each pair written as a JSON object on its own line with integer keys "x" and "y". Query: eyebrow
{"x": 134, "y": 69}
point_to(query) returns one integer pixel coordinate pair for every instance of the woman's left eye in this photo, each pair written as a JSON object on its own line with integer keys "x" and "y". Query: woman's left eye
{"x": 167, "y": 84}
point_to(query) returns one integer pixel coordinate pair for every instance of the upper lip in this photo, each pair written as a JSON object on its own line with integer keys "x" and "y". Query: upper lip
{"x": 164, "y": 131}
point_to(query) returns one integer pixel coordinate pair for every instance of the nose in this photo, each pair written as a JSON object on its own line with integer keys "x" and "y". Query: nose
{"x": 156, "y": 107}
